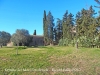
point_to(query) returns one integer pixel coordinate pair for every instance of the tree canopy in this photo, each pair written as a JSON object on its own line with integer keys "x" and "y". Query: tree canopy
{"x": 4, "y": 37}
{"x": 21, "y": 36}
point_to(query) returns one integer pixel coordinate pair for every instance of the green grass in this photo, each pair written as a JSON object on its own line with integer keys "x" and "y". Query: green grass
{"x": 50, "y": 61}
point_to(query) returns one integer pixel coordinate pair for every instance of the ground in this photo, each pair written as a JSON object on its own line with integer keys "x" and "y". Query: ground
{"x": 50, "y": 60}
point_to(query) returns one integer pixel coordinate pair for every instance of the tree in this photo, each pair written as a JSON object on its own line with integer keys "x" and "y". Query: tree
{"x": 58, "y": 30}
{"x": 4, "y": 37}
{"x": 78, "y": 21}
{"x": 45, "y": 29}
{"x": 21, "y": 36}
{"x": 68, "y": 23}
{"x": 34, "y": 32}
{"x": 85, "y": 22}
{"x": 14, "y": 39}
{"x": 86, "y": 25}
{"x": 50, "y": 28}
{"x": 78, "y": 24}
{"x": 64, "y": 24}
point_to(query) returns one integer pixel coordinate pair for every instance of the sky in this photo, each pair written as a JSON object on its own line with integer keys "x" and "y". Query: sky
{"x": 28, "y": 14}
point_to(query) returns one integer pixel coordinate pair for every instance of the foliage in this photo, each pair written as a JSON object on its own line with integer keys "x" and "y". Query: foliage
{"x": 63, "y": 42}
{"x": 73, "y": 42}
{"x": 68, "y": 23}
{"x": 85, "y": 25}
{"x": 88, "y": 41}
{"x": 50, "y": 24}
{"x": 21, "y": 36}
{"x": 4, "y": 37}
{"x": 84, "y": 41}
{"x": 48, "y": 27}
{"x": 58, "y": 30}
{"x": 45, "y": 29}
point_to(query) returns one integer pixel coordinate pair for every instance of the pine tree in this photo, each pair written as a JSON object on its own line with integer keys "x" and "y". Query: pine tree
{"x": 64, "y": 24}
{"x": 67, "y": 25}
{"x": 78, "y": 24}
{"x": 82, "y": 21}
{"x": 86, "y": 25}
{"x": 92, "y": 23}
{"x": 70, "y": 22}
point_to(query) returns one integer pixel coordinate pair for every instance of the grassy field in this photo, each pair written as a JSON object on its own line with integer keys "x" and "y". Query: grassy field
{"x": 50, "y": 61}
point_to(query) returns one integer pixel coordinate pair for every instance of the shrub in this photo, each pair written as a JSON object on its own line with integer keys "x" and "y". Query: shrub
{"x": 63, "y": 42}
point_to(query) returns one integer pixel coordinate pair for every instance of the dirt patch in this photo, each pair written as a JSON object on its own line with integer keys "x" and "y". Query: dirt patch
{"x": 4, "y": 59}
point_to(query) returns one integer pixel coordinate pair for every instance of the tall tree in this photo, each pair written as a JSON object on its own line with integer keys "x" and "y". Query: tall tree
{"x": 68, "y": 23}
{"x": 50, "y": 24}
{"x": 78, "y": 21}
{"x": 45, "y": 29}
{"x": 92, "y": 22}
{"x": 58, "y": 30}
{"x": 82, "y": 21}
{"x": 86, "y": 24}
{"x": 64, "y": 24}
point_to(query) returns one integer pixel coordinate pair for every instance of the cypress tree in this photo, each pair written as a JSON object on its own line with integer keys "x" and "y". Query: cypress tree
{"x": 64, "y": 24}
{"x": 34, "y": 32}
{"x": 58, "y": 29}
{"x": 45, "y": 29}
{"x": 50, "y": 28}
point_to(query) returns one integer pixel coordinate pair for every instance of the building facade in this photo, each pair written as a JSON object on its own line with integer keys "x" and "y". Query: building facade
{"x": 37, "y": 40}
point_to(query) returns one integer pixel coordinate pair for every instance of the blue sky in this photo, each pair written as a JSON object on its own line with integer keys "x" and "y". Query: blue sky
{"x": 28, "y": 14}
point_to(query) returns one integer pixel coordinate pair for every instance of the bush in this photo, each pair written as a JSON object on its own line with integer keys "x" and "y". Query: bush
{"x": 63, "y": 42}
{"x": 88, "y": 41}
{"x": 73, "y": 42}
{"x": 84, "y": 41}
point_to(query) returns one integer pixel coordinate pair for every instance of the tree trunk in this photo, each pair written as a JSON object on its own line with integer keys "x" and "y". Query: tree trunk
{"x": 17, "y": 50}
{"x": 77, "y": 45}
{"x": 51, "y": 43}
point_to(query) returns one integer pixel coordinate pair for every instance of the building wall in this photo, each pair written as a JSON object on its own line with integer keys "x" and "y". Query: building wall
{"x": 37, "y": 41}
{"x": 10, "y": 44}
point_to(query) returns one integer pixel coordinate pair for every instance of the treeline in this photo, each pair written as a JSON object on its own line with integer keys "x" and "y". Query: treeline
{"x": 83, "y": 29}
{"x": 20, "y": 37}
